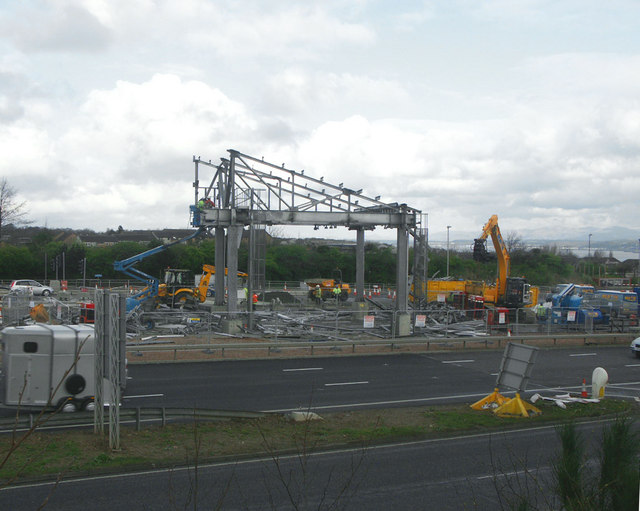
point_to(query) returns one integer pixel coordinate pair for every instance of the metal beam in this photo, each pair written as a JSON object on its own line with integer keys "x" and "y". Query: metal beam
{"x": 216, "y": 217}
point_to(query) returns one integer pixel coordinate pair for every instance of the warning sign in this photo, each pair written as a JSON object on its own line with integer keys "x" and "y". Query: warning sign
{"x": 421, "y": 320}
{"x": 369, "y": 321}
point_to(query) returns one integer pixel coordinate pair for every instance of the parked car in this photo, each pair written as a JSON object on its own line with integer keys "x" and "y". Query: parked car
{"x": 31, "y": 286}
{"x": 635, "y": 347}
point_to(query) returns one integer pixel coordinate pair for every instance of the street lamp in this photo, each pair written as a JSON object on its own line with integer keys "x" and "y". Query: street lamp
{"x": 590, "y": 244}
{"x": 448, "y": 227}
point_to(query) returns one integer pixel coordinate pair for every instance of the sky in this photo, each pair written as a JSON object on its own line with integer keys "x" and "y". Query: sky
{"x": 528, "y": 109}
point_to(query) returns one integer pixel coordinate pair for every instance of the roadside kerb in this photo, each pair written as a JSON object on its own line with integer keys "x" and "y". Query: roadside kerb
{"x": 208, "y": 351}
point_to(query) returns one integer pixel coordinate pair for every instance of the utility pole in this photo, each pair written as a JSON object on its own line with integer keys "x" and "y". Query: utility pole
{"x": 448, "y": 227}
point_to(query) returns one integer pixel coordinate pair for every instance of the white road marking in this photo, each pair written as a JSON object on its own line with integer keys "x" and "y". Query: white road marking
{"x": 632, "y": 365}
{"x": 346, "y": 383}
{"x": 583, "y": 355}
{"x": 457, "y": 361}
{"x": 303, "y": 369}
{"x": 142, "y": 395}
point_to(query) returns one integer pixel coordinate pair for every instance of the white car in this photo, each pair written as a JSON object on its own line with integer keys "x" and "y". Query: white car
{"x": 635, "y": 347}
{"x": 30, "y": 286}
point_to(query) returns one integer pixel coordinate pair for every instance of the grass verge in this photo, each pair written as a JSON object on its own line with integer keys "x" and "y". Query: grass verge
{"x": 69, "y": 453}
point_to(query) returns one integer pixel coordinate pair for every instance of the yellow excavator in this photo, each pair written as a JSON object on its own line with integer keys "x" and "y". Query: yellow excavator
{"x": 511, "y": 292}
{"x": 176, "y": 289}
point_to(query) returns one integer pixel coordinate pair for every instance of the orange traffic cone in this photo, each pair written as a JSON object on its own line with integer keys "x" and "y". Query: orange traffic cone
{"x": 584, "y": 388}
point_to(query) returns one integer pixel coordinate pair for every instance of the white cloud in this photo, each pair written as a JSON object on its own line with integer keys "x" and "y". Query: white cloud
{"x": 534, "y": 116}
{"x": 52, "y": 27}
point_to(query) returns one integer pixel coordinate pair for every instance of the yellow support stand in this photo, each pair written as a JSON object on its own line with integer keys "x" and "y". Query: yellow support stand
{"x": 516, "y": 407}
{"x": 493, "y": 400}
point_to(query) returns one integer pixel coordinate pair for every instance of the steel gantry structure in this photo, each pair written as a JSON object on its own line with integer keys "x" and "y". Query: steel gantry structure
{"x": 248, "y": 191}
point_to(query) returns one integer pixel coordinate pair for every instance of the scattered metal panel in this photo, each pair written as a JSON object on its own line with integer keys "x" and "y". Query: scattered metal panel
{"x": 516, "y": 366}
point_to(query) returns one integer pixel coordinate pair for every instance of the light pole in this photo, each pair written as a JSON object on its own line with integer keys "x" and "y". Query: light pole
{"x": 448, "y": 227}
{"x": 590, "y": 245}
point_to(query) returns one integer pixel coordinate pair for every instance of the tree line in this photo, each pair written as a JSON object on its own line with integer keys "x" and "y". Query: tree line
{"x": 43, "y": 259}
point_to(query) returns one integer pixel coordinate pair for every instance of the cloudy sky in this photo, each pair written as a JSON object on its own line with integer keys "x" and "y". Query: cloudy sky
{"x": 529, "y": 109}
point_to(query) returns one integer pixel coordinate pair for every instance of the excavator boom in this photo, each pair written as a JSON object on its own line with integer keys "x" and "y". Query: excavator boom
{"x": 504, "y": 261}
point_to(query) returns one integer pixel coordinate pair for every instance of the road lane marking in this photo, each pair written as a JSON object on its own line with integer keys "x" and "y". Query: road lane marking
{"x": 346, "y": 383}
{"x": 302, "y": 369}
{"x": 143, "y": 395}
{"x": 457, "y": 361}
{"x": 632, "y": 365}
{"x": 583, "y": 355}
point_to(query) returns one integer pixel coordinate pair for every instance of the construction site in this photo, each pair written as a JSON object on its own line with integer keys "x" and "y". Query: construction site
{"x": 244, "y": 195}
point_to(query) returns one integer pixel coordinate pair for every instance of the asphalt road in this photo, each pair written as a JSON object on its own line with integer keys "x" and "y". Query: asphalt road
{"x": 369, "y": 381}
{"x": 475, "y": 472}
{"x": 448, "y": 474}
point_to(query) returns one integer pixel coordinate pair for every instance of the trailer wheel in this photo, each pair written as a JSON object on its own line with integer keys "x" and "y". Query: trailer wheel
{"x": 88, "y": 405}
{"x": 67, "y": 405}
{"x": 75, "y": 384}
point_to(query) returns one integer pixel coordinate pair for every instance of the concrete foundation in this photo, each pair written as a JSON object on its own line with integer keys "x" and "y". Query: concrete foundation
{"x": 231, "y": 326}
{"x": 403, "y": 324}
{"x": 360, "y": 310}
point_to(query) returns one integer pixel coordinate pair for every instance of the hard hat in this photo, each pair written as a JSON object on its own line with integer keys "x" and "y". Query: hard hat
{"x": 317, "y": 285}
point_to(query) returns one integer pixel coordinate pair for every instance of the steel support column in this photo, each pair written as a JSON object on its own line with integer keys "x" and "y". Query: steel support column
{"x": 402, "y": 269}
{"x": 220, "y": 261}
{"x": 360, "y": 265}
{"x": 234, "y": 234}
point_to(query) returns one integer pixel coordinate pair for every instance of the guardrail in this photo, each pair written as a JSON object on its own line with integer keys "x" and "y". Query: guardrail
{"x": 25, "y": 421}
{"x": 439, "y": 344}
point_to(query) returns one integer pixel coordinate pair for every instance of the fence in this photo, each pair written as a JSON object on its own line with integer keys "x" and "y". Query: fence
{"x": 136, "y": 416}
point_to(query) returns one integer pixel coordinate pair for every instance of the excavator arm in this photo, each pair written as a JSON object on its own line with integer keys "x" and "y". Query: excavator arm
{"x": 480, "y": 252}
{"x": 127, "y": 266}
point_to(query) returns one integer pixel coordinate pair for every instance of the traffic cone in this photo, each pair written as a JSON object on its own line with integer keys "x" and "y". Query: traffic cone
{"x": 584, "y": 388}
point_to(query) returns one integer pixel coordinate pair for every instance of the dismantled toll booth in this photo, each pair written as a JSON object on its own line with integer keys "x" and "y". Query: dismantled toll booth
{"x": 243, "y": 191}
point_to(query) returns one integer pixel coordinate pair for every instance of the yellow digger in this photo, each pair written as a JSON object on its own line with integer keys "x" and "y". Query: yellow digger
{"x": 176, "y": 289}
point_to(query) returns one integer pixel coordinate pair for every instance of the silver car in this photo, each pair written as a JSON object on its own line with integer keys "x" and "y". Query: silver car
{"x": 31, "y": 286}
{"x": 635, "y": 347}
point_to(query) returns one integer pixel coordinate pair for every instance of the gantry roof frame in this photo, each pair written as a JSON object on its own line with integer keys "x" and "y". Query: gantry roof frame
{"x": 246, "y": 190}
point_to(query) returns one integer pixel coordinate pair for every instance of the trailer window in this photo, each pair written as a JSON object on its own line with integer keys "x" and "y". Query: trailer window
{"x": 30, "y": 347}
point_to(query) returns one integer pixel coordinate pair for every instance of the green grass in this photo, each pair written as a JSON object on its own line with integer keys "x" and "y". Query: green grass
{"x": 69, "y": 452}
{"x": 459, "y": 419}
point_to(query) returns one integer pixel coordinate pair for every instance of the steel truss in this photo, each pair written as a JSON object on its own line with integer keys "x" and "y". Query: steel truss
{"x": 246, "y": 191}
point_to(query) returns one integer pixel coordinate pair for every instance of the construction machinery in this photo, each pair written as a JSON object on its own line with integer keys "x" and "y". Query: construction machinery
{"x": 510, "y": 292}
{"x": 148, "y": 296}
{"x": 570, "y": 303}
{"x": 327, "y": 287}
{"x": 178, "y": 288}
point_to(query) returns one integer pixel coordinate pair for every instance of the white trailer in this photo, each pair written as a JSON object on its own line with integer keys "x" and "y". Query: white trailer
{"x": 49, "y": 365}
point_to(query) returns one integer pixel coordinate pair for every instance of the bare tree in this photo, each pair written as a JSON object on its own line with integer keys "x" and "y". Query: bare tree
{"x": 11, "y": 211}
{"x": 514, "y": 242}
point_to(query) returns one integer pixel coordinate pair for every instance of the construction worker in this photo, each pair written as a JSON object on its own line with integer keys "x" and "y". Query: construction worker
{"x": 318, "y": 294}
{"x": 336, "y": 292}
